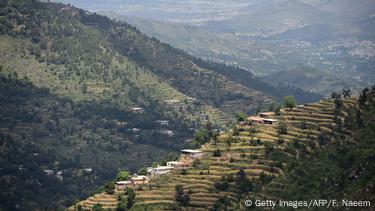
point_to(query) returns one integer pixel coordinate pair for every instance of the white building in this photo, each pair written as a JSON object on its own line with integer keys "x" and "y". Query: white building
{"x": 122, "y": 185}
{"x": 174, "y": 164}
{"x": 159, "y": 170}
{"x": 192, "y": 153}
{"x": 137, "y": 110}
{"x": 163, "y": 122}
{"x": 139, "y": 179}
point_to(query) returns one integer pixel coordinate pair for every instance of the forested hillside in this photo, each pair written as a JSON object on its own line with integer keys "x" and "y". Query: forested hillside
{"x": 344, "y": 169}
{"x": 83, "y": 96}
{"x": 320, "y": 150}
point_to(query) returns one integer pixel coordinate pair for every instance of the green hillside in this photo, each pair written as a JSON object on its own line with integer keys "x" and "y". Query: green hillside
{"x": 40, "y": 131}
{"x": 311, "y": 79}
{"x": 344, "y": 169}
{"x": 311, "y": 148}
{"x": 83, "y": 96}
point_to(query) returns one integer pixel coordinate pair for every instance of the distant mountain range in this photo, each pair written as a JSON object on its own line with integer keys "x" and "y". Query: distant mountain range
{"x": 265, "y": 37}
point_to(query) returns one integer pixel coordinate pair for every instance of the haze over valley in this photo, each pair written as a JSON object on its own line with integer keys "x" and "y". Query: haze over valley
{"x": 329, "y": 42}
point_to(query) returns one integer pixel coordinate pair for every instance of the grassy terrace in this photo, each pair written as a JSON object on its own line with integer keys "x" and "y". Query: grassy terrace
{"x": 15, "y": 57}
{"x": 248, "y": 150}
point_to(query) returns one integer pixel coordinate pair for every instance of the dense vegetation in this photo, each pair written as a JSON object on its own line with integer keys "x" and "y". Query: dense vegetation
{"x": 344, "y": 169}
{"x": 308, "y": 154}
{"x": 40, "y": 131}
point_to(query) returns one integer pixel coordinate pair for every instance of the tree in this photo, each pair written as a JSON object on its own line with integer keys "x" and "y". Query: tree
{"x": 180, "y": 196}
{"x": 264, "y": 178}
{"x": 243, "y": 183}
{"x": 335, "y": 95}
{"x": 130, "y": 197}
{"x": 97, "y": 207}
{"x": 126, "y": 200}
{"x": 201, "y": 137}
{"x": 109, "y": 188}
{"x": 289, "y": 101}
{"x": 269, "y": 148}
{"x": 346, "y": 93}
{"x": 277, "y": 110}
{"x": 84, "y": 88}
{"x": 303, "y": 125}
{"x": 222, "y": 185}
{"x": 122, "y": 176}
{"x": 216, "y": 153}
{"x": 142, "y": 171}
{"x": 240, "y": 116}
{"x": 282, "y": 128}
{"x": 121, "y": 206}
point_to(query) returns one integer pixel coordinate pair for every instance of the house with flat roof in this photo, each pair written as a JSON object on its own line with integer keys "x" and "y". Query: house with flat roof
{"x": 175, "y": 164}
{"x": 270, "y": 121}
{"x": 137, "y": 109}
{"x": 159, "y": 170}
{"x": 163, "y": 122}
{"x": 266, "y": 114}
{"x": 255, "y": 119}
{"x": 192, "y": 153}
{"x": 189, "y": 155}
{"x": 261, "y": 120}
{"x": 122, "y": 185}
{"x": 139, "y": 179}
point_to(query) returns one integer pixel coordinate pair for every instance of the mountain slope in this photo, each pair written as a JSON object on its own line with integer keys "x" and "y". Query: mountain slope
{"x": 40, "y": 131}
{"x": 83, "y": 96}
{"x": 255, "y": 161}
{"x": 310, "y": 79}
{"x": 341, "y": 170}
{"x": 271, "y": 36}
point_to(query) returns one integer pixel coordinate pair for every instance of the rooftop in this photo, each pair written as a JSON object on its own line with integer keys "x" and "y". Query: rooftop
{"x": 123, "y": 182}
{"x": 255, "y": 118}
{"x": 174, "y": 162}
{"x": 191, "y": 151}
{"x": 267, "y": 113}
{"x": 139, "y": 177}
{"x": 163, "y": 168}
{"x": 271, "y": 120}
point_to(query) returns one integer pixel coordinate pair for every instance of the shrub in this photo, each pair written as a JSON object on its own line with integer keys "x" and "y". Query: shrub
{"x": 243, "y": 183}
{"x": 289, "y": 101}
{"x": 122, "y": 175}
{"x": 282, "y": 129}
{"x": 216, "y": 153}
{"x": 180, "y": 196}
{"x": 222, "y": 185}
{"x": 97, "y": 207}
{"x": 183, "y": 172}
{"x": 241, "y": 116}
{"x": 109, "y": 188}
{"x": 264, "y": 178}
{"x": 126, "y": 200}
{"x": 277, "y": 110}
{"x": 280, "y": 141}
{"x": 142, "y": 171}
{"x": 268, "y": 148}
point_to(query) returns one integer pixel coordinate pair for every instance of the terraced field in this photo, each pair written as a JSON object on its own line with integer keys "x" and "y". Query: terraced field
{"x": 15, "y": 57}
{"x": 260, "y": 150}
